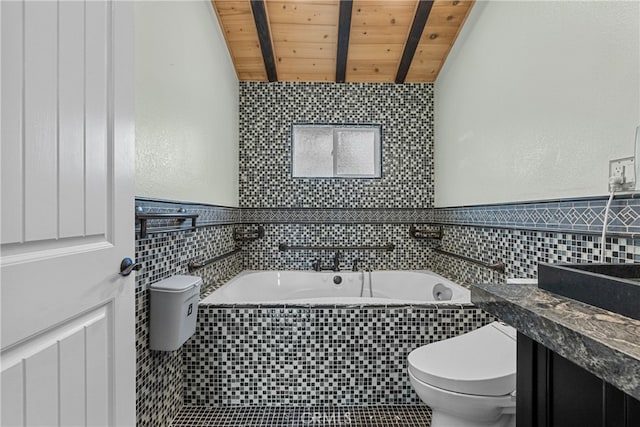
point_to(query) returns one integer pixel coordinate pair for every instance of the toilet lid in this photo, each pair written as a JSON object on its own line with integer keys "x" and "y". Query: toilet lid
{"x": 481, "y": 362}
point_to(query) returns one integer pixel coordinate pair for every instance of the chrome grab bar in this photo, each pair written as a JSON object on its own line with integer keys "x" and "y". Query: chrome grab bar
{"x": 286, "y": 247}
{"x": 498, "y": 266}
{"x": 194, "y": 265}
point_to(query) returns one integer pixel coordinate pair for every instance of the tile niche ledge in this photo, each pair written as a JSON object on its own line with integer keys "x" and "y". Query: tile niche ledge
{"x": 604, "y": 343}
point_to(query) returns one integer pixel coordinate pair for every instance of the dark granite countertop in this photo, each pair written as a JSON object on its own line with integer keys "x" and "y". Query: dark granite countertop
{"x": 604, "y": 343}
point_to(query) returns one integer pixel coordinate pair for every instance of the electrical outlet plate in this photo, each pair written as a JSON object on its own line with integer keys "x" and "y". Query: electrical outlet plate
{"x": 625, "y": 168}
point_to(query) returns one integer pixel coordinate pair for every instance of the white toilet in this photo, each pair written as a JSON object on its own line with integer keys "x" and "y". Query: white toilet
{"x": 469, "y": 380}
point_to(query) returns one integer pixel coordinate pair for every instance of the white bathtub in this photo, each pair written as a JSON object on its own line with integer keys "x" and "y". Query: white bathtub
{"x": 310, "y": 287}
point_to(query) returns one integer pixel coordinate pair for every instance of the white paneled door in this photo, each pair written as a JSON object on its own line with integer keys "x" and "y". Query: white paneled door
{"x": 67, "y": 315}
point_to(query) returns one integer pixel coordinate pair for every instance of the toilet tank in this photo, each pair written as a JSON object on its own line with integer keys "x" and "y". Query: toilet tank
{"x": 174, "y": 310}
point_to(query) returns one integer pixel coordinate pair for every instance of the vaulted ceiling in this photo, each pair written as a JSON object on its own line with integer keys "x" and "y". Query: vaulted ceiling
{"x": 340, "y": 40}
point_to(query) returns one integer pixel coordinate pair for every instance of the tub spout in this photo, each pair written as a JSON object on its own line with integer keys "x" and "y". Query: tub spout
{"x": 336, "y": 261}
{"x": 316, "y": 265}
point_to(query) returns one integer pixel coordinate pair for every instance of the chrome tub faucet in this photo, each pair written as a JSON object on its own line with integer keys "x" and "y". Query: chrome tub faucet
{"x": 336, "y": 261}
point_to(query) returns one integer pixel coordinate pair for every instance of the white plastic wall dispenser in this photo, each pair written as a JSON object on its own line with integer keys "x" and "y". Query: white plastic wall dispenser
{"x": 174, "y": 310}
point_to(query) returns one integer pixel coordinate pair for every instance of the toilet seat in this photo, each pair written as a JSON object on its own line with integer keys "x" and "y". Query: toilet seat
{"x": 506, "y": 403}
{"x": 481, "y": 362}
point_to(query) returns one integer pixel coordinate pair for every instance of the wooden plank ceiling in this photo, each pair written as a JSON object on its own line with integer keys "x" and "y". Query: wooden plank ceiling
{"x": 340, "y": 40}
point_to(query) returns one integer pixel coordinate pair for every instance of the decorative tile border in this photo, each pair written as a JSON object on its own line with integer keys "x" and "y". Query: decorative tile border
{"x": 571, "y": 215}
{"x": 313, "y": 356}
{"x": 337, "y": 216}
{"x": 568, "y": 215}
{"x": 208, "y": 214}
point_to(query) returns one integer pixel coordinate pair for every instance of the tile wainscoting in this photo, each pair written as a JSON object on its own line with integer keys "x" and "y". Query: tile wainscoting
{"x": 159, "y": 377}
{"x": 521, "y": 235}
{"x": 522, "y": 250}
{"x": 524, "y": 234}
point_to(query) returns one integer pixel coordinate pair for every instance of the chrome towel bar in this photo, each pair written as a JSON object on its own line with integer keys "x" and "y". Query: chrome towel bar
{"x": 143, "y": 217}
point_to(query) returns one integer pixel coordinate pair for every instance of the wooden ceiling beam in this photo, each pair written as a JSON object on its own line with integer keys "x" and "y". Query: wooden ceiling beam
{"x": 417, "y": 27}
{"x": 344, "y": 28}
{"x": 262, "y": 25}
{"x": 343, "y": 41}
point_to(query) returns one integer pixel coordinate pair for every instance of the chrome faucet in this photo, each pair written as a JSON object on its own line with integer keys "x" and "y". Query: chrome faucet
{"x": 316, "y": 265}
{"x": 336, "y": 262}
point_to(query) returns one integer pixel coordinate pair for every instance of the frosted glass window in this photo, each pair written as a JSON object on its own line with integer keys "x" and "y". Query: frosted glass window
{"x": 312, "y": 151}
{"x": 336, "y": 151}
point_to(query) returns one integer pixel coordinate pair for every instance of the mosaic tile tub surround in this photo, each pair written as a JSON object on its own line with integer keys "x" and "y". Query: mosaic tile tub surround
{"x": 267, "y": 112}
{"x": 521, "y": 234}
{"x": 305, "y": 356}
{"x": 408, "y": 253}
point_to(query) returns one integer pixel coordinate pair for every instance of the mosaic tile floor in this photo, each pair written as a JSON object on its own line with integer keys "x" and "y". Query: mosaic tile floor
{"x": 376, "y": 416}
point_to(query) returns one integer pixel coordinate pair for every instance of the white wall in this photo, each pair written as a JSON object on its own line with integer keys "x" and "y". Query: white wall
{"x": 534, "y": 99}
{"x": 186, "y": 105}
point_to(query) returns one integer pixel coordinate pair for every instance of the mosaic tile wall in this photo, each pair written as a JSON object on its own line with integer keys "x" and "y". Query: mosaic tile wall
{"x": 408, "y": 253}
{"x": 313, "y": 356}
{"x": 522, "y": 250}
{"x": 336, "y": 216}
{"x": 159, "y": 378}
{"x": 523, "y": 234}
{"x": 267, "y": 112}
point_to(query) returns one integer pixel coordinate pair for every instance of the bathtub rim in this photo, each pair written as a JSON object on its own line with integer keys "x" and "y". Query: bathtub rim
{"x": 326, "y": 305}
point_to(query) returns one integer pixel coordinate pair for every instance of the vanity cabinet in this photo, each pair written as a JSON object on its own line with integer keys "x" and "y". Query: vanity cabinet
{"x": 554, "y": 392}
